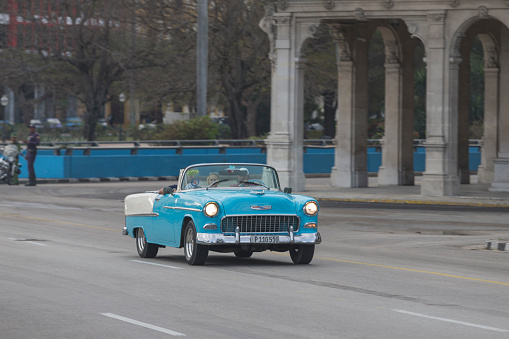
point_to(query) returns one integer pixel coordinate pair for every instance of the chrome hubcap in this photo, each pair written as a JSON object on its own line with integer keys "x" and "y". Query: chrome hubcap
{"x": 189, "y": 243}
{"x": 141, "y": 239}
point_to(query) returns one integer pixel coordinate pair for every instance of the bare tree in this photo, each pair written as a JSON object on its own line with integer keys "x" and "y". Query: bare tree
{"x": 87, "y": 47}
{"x": 238, "y": 61}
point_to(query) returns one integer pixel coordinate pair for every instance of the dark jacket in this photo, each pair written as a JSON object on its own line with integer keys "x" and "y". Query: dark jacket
{"x": 34, "y": 140}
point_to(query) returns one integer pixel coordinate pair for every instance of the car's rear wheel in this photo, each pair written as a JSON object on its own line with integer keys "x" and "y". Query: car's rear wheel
{"x": 195, "y": 254}
{"x": 145, "y": 249}
{"x": 302, "y": 254}
{"x": 243, "y": 253}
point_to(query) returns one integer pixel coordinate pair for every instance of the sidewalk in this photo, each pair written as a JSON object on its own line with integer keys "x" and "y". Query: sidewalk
{"x": 473, "y": 194}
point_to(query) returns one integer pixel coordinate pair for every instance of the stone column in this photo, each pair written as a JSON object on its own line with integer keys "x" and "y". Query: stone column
{"x": 501, "y": 163}
{"x": 389, "y": 172}
{"x": 440, "y": 177}
{"x": 350, "y": 160}
{"x": 486, "y": 171}
{"x": 397, "y": 146}
{"x": 284, "y": 144}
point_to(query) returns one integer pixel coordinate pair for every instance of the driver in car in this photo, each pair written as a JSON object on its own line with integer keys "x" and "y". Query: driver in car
{"x": 242, "y": 178}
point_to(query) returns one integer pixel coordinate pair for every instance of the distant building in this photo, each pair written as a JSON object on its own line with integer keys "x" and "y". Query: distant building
{"x": 27, "y": 25}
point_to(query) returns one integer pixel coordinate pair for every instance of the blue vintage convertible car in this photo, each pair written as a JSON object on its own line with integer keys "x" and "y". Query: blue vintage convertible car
{"x": 237, "y": 208}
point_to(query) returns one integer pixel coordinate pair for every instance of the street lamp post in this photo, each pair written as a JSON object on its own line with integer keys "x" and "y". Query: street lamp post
{"x": 121, "y": 98}
{"x": 4, "y": 101}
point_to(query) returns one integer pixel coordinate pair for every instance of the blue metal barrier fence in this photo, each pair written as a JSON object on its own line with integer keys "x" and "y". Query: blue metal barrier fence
{"x": 166, "y": 158}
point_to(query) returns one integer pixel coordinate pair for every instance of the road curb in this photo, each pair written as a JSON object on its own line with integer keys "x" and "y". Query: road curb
{"x": 497, "y": 245}
{"x": 417, "y": 202}
{"x": 108, "y": 179}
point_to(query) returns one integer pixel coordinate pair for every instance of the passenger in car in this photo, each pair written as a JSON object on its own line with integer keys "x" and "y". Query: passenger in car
{"x": 213, "y": 176}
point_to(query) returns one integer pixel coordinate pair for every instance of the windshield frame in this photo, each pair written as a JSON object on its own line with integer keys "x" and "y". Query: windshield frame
{"x": 225, "y": 170}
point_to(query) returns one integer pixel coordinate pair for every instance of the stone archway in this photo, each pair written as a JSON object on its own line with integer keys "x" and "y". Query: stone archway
{"x": 440, "y": 25}
{"x": 494, "y": 37}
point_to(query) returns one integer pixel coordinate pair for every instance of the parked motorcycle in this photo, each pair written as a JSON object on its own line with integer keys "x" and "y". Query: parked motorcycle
{"x": 9, "y": 164}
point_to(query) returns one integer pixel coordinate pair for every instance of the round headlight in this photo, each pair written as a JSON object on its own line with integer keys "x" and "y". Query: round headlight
{"x": 311, "y": 208}
{"x": 211, "y": 209}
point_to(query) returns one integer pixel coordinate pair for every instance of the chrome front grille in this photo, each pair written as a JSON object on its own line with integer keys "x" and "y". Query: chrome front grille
{"x": 260, "y": 224}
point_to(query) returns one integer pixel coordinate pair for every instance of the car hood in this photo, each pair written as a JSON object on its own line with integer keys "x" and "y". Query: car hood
{"x": 253, "y": 201}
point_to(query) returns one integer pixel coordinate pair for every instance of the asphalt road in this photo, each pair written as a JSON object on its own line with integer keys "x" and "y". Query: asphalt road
{"x": 67, "y": 272}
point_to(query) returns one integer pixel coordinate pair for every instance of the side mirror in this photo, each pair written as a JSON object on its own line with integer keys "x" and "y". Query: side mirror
{"x": 288, "y": 190}
{"x": 167, "y": 190}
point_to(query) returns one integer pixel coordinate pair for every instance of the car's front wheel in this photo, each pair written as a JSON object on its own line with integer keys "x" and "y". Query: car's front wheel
{"x": 302, "y": 254}
{"x": 195, "y": 254}
{"x": 145, "y": 249}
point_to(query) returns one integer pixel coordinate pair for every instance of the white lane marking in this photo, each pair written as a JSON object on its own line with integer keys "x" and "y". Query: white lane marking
{"x": 28, "y": 241}
{"x": 35, "y": 243}
{"x": 139, "y": 323}
{"x": 155, "y": 264}
{"x": 453, "y": 321}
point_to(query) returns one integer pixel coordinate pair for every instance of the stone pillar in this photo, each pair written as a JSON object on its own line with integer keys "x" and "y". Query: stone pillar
{"x": 284, "y": 144}
{"x": 501, "y": 163}
{"x": 490, "y": 136}
{"x": 397, "y": 146}
{"x": 389, "y": 172}
{"x": 440, "y": 177}
{"x": 350, "y": 160}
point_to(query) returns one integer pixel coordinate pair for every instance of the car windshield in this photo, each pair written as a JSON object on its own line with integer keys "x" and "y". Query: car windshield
{"x": 229, "y": 175}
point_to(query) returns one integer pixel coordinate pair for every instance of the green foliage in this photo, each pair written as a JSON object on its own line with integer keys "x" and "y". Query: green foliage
{"x": 376, "y": 77}
{"x": 201, "y": 128}
{"x": 224, "y": 131}
{"x": 476, "y": 82}
{"x": 376, "y": 128}
{"x": 476, "y": 130}
{"x": 420, "y": 103}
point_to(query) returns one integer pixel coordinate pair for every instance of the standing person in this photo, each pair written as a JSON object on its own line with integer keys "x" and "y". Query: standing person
{"x": 33, "y": 141}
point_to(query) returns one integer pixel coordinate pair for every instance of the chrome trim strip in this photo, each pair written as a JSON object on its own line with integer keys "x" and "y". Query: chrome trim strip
{"x": 143, "y": 215}
{"x": 183, "y": 208}
{"x": 220, "y": 239}
{"x": 265, "y": 215}
{"x": 261, "y": 207}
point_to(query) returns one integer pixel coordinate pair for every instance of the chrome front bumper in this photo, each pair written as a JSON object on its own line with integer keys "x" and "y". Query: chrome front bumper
{"x": 221, "y": 239}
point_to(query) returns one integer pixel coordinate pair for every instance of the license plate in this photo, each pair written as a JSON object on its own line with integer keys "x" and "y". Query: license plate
{"x": 265, "y": 239}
